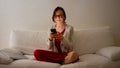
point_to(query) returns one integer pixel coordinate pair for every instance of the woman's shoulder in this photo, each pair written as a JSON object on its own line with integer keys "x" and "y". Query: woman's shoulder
{"x": 69, "y": 26}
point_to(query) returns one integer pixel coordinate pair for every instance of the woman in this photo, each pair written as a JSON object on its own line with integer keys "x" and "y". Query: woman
{"x": 60, "y": 43}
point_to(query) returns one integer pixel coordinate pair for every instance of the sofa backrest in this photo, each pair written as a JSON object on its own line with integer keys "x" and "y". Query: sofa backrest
{"x": 85, "y": 40}
{"x": 89, "y": 40}
{"x": 27, "y": 41}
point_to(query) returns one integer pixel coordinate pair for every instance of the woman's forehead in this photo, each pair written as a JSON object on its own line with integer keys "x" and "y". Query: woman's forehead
{"x": 59, "y": 12}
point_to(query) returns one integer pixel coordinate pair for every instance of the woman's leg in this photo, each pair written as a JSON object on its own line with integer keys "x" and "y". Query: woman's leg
{"x": 71, "y": 57}
{"x": 49, "y": 56}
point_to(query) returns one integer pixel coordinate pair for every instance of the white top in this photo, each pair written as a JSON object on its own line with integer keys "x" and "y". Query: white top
{"x": 66, "y": 43}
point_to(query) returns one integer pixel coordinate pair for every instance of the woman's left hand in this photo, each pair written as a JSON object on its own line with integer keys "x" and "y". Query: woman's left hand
{"x": 59, "y": 36}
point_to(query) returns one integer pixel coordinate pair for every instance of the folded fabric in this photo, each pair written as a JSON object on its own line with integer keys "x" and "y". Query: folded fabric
{"x": 13, "y": 53}
{"x": 112, "y": 52}
{"x": 4, "y": 59}
{"x": 30, "y": 57}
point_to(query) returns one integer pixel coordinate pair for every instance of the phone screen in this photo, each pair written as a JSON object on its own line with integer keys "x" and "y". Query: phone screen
{"x": 53, "y": 31}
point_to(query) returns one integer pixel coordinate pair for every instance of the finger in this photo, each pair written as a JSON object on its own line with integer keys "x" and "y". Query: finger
{"x": 58, "y": 33}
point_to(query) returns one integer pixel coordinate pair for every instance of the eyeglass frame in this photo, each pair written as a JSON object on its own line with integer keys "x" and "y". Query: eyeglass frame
{"x": 58, "y": 16}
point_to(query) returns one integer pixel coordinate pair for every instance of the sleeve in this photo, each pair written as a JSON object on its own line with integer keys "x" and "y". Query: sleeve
{"x": 68, "y": 41}
{"x": 49, "y": 43}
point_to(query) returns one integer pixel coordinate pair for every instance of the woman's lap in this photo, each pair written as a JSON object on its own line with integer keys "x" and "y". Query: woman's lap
{"x": 49, "y": 56}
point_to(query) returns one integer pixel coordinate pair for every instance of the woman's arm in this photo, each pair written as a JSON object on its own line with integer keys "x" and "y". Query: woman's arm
{"x": 50, "y": 42}
{"x": 68, "y": 38}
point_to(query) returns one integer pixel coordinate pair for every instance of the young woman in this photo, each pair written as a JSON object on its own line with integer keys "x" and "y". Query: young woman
{"x": 60, "y": 43}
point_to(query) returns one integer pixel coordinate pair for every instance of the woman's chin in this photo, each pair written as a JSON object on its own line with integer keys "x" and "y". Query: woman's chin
{"x": 59, "y": 22}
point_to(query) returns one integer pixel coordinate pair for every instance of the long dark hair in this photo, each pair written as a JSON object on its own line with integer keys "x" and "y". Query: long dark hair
{"x": 56, "y": 9}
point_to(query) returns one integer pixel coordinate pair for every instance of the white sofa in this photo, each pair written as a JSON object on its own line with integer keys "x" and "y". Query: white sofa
{"x": 95, "y": 46}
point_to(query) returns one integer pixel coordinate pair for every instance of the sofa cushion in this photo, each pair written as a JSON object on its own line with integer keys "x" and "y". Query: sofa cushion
{"x": 27, "y": 41}
{"x": 13, "y": 53}
{"x": 89, "y": 40}
{"x": 5, "y": 59}
{"x": 113, "y": 52}
{"x": 30, "y": 57}
{"x": 89, "y": 61}
{"x": 24, "y": 63}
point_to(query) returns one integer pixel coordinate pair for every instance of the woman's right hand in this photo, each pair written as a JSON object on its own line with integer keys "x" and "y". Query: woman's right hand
{"x": 51, "y": 36}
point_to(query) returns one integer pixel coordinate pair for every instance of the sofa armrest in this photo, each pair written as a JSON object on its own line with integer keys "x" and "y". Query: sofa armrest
{"x": 112, "y": 52}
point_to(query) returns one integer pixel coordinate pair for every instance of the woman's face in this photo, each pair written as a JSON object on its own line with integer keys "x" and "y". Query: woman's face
{"x": 59, "y": 17}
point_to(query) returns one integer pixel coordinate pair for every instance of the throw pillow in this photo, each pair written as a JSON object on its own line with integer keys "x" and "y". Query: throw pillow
{"x": 13, "y": 53}
{"x": 112, "y": 52}
{"x": 4, "y": 59}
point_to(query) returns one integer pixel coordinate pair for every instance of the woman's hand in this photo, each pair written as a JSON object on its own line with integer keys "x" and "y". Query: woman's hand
{"x": 59, "y": 36}
{"x": 51, "y": 36}
{"x": 56, "y": 36}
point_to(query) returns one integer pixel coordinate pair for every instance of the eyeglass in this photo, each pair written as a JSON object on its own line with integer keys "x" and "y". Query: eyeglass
{"x": 59, "y": 16}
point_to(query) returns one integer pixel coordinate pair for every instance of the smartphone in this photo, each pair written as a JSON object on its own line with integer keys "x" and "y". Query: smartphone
{"x": 53, "y": 31}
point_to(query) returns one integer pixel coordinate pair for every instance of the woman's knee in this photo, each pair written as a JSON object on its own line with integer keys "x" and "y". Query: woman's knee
{"x": 73, "y": 53}
{"x": 71, "y": 57}
{"x": 37, "y": 52}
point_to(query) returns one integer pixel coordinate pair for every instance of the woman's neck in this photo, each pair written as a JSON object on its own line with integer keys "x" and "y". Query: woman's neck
{"x": 62, "y": 25}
